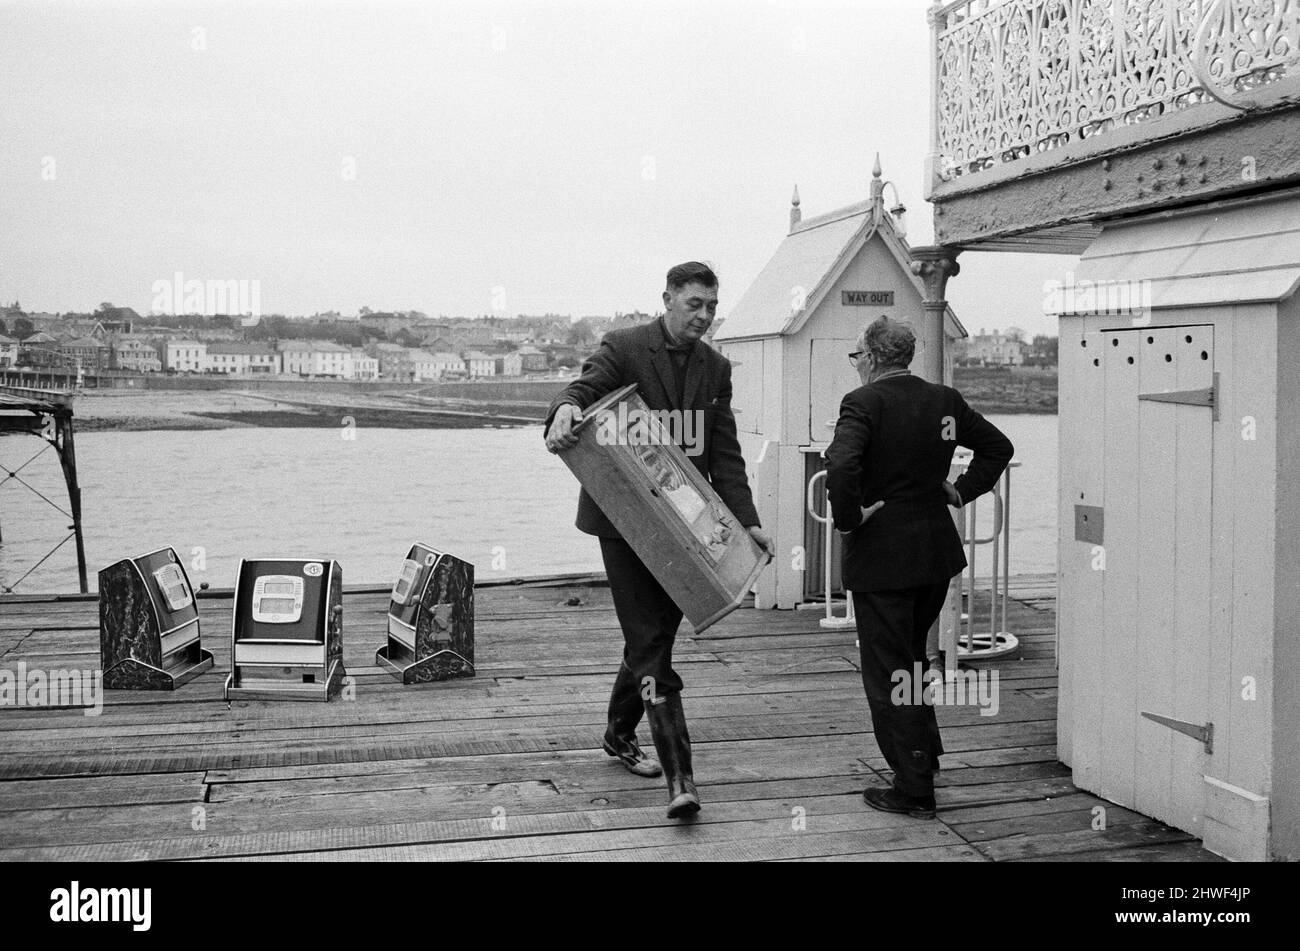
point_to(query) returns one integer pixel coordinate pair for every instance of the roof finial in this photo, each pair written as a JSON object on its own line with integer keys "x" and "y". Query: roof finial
{"x": 877, "y": 184}
{"x": 795, "y": 214}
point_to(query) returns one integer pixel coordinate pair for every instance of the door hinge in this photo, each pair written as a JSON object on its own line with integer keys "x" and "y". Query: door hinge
{"x": 1205, "y": 734}
{"x": 1204, "y": 397}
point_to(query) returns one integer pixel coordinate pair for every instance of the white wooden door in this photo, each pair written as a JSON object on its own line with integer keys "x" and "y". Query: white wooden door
{"x": 1137, "y": 461}
{"x": 831, "y": 377}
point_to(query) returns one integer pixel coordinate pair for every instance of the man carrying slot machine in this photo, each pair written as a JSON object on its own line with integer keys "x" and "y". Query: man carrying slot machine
{"x": 673, "y": 369}
{"x": 887, "y": 471}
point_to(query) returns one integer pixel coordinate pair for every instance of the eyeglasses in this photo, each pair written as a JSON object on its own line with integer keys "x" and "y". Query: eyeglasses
{"x": 856, "y": 356}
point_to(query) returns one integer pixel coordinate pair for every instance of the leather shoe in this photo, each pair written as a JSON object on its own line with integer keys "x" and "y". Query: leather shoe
{"x": 630, "y": 755}
{"x": 891, "y": 800}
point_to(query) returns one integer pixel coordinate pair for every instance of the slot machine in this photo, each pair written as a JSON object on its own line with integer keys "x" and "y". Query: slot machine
{"x": 287, "y": 632}
{"x": 664, "y": 508}
{"x": 430, "y": 619}
{"x": 149, "y": 624}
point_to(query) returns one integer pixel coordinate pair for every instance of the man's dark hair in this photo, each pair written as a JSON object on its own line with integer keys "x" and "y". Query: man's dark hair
{"x": 693, "y": 272}
{"x": 892, "y": 343}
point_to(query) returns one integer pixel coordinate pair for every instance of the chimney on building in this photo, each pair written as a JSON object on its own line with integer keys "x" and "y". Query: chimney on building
{"x": 795, "y": 214}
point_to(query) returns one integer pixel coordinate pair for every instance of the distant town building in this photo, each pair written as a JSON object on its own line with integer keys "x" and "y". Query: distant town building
{"x": 184, "y": 356}
{"x": 317, "y": 358}
{"x": 509, "y": 364}
{"x": 996, "y": 349}
{"x": 40, "y": 350}
{"x": 295, "y": 356}
{"x": 394, "y": 361}
{"x": 89, "y": 353}
{"x": 8, "y": 352}
{"x": 479, "y": 364}
{"x": 1043, "y": 351}
{"x": 532, "y": 360}
{"x": 133, "y": 353}
{"x": 431, "y": 367}
{"x": 387, "y": 324}
{"x": 242, "y": 359}
{"x": 331, "y": 360}
{"x": 364, "y": 366}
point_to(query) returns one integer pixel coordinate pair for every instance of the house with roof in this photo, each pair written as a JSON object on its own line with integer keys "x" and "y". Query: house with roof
{"x": 8, "y": 352}
{"x": 532, "y": 360}
{"x": 509, "y": 364}
{"x": 478, "y": 364}
{"x": 789, "y": 338}
{"x": 40, "y": 350}
{"x": 317, "y": 358}
{"x": 364, "y": 366}
{"x": 431, "y": 367}
{"x": 242, "y": 359}
{"x": 180, "y": 355}
{"x": 89, "y": 353}
{"x": 129, "y": 352}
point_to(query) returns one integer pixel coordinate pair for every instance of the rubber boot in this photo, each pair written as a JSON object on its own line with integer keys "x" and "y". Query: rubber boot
{"x": 625, "y": 709}
{"x": 673, "y": 742}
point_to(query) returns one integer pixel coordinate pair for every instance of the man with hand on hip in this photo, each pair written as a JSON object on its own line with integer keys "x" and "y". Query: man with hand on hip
{"x": 887, "y": 472}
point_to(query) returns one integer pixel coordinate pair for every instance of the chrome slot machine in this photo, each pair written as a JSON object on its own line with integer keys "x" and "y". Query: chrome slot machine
{"x": 430, "y": 619}
{"x": 149, "y": 624}
{"x": 287, "y": 633}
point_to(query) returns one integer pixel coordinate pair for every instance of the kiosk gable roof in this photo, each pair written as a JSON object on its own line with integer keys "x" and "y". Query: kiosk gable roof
{"x": 805, "y": 259}
{"x": 808, "y": 262}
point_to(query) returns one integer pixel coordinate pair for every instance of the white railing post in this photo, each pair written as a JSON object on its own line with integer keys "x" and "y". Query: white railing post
{"x": 831, "y": 621}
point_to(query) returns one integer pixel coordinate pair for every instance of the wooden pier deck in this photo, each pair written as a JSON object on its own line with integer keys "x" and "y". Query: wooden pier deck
{"x": 507, "y": 765}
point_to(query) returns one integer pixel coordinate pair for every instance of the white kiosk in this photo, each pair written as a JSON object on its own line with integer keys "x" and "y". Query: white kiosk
{"x": 789, "y": 340}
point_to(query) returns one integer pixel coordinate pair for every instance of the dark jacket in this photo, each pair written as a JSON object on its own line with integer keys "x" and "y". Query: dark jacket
{"x": 639, "y": 355}
{"x": 894, "y": 442}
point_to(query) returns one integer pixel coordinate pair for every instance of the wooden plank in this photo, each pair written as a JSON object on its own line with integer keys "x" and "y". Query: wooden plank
{"x": 1136, "y": 835}
{"x": 1193, "y": 351}
{"x": 780, "y": 726}
{"x": 1120, "y": 679}
{"x": 1158, "y": 451}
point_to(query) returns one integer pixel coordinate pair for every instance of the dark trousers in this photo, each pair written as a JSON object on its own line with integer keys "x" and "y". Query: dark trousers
{"x": 648, "y": 616}
{"x": 892, "y": 630}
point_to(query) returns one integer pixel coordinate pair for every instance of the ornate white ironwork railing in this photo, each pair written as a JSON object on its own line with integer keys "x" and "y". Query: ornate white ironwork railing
{"x": 1016, "y": 77}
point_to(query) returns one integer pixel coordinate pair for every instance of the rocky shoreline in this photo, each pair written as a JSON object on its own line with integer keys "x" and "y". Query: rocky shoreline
{"x": 989, "y": 392}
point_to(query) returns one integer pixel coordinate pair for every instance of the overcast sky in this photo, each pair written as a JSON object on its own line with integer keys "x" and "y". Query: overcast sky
{"x": 455, "y": 157}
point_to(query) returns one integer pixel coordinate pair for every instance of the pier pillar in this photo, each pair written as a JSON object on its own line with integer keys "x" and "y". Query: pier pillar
{"x": 934, "y": 265}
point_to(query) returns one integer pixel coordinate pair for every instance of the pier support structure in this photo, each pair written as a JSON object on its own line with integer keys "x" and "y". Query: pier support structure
{"x": 934, "y": 265}
{"x": 49, "y": 416}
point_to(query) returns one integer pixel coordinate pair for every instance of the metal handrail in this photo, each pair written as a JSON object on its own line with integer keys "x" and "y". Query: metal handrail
{"x": 998, "y": 642}
{"x": 831, "y": 621}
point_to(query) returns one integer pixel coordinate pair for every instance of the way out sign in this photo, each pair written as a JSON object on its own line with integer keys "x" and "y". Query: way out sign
{"x": 867, "y": 298}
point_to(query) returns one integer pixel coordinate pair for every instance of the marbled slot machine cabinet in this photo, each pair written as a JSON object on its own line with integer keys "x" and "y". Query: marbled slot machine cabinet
{"x": 287, "y": 634}
{"x": 665, "y": 508}
{"x": 149, "y": 624}
{"x": 430, "y": 619}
